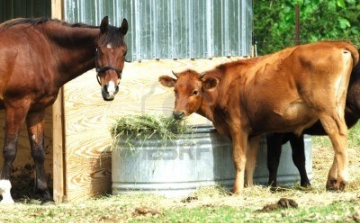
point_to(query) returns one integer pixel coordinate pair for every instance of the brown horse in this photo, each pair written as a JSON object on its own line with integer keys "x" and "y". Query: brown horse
{"x": 37, "y": 57}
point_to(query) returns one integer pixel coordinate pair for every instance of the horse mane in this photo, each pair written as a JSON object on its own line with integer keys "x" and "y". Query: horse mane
{"x": 112, "y": 35}
{"x": 39, "y": 21}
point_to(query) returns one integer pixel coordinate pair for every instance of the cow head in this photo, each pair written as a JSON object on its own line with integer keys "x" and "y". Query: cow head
{"x": 190, "y": 89}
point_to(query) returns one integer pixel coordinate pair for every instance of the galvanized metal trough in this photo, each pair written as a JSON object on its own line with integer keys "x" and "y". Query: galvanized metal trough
{"x": 200, "y": 158}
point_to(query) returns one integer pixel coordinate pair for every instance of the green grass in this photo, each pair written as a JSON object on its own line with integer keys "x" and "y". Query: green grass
{"x": 353, "y": 138}
{"x": 121, "y": 209}
{"x": 340, "y": 212}
{"x": 216, "y": 205}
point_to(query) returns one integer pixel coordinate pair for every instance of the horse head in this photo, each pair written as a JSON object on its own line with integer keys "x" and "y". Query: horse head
{"x": 110, "y": 57}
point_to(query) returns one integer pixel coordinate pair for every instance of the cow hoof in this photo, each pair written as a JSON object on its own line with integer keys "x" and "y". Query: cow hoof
{"x": 335, "y": 185}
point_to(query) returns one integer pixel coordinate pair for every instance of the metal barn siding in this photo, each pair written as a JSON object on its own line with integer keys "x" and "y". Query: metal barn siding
{"x": 173, "y": 28}
{"x": 10, "y": 9}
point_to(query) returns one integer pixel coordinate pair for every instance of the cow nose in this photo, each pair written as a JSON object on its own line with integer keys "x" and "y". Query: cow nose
{"x": 178, "y": 114}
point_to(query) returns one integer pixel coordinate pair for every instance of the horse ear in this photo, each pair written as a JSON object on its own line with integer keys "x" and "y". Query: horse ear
{"x": 104, "y": 24}
{"x": 124, "y": 26}
{"x": 210, "y": 83}
{"x": 167, "y": 81}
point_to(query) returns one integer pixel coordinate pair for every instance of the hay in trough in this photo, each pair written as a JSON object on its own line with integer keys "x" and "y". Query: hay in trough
{"x": 144, "y": 127}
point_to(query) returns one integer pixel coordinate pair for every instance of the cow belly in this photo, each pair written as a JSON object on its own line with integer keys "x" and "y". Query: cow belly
{"x": 294, "y": 118}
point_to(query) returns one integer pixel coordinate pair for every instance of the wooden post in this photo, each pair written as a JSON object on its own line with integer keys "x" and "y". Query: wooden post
{"x": 59, "y": 188}
{"x": 297, "y": 24}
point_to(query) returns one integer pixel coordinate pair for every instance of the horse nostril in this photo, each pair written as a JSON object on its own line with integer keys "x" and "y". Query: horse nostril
{"x": 178, "y": 114}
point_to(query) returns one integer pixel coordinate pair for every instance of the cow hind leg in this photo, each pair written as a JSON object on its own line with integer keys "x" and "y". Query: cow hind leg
{"x": 337, "y": 132}
{"x": 35, "y": 125}
{"x": 332, "y": 119}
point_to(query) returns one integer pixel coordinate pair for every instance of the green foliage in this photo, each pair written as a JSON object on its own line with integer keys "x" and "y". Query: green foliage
{"x": 274, "y": 22}
{"x": 353, "y": 138}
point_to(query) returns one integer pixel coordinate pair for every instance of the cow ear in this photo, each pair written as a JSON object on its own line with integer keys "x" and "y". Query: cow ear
{"x": 167, "y": 81}
{"x": 210, "y": 83}
{"x": 124, "y": 27}
{"x": 104, "y": 24}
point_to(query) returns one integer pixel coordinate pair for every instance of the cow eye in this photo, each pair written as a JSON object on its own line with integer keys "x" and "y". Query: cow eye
{"x": 194, "y": 93}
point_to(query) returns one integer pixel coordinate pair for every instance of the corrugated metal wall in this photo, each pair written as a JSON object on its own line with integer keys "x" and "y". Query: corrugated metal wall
{"x": 10, "y": 9}
{"x": 173, "y": 28}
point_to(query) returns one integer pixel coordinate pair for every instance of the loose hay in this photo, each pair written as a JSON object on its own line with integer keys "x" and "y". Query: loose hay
{"x": 122, "y": 208}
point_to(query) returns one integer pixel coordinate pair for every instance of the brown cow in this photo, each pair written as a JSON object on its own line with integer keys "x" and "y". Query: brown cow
{"x": 287, "y": 91}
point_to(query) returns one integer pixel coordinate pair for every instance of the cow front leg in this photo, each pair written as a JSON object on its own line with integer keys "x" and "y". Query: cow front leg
{"x": 14, "y": 119}
{"x": 35, "y": 125}
{"x": 251, "y": 158}
{"x": 240, "y": 146}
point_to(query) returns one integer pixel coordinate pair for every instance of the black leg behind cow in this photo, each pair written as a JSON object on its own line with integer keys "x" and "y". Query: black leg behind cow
{"x": 274, "y": 143}
{"x": 298, "y": 156}
{"x": 274, "y": 146}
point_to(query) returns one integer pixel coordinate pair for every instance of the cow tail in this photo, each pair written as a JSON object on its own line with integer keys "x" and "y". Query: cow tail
{"x": 354, "y": 53}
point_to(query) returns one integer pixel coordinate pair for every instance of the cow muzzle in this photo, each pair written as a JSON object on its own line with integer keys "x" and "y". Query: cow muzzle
{"x": 178, "y": 115}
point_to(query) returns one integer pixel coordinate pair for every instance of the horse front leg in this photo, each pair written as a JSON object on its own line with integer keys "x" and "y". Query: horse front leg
{"x": 35, "y": 125}
{"x": 14, "y": 119}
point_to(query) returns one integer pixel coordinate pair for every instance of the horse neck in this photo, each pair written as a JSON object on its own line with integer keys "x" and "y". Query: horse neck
{"x": 75, "y": 50}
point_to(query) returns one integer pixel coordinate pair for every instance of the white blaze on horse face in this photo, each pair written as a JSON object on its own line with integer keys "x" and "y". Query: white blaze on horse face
{"x": 111, "y": 88}
{"x": 5, "y": 187}
{"x": 109, "y": 46}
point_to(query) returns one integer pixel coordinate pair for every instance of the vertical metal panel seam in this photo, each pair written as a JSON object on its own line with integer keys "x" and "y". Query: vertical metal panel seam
{"x": 137, "y": 30}
{"x": 156, "y": 29}
{"x": 190, "y": 16}
{"x": 173, "y": 51}
{"x": 133, "y": 29}
{"x": 96, "y": 11}
{"x": 240, "y": 27}
{"x": 247, "y": 18}
{"x": 227, "y": 29}
{"x": 209, "y": 29}
{"x": 222, "y": 23}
